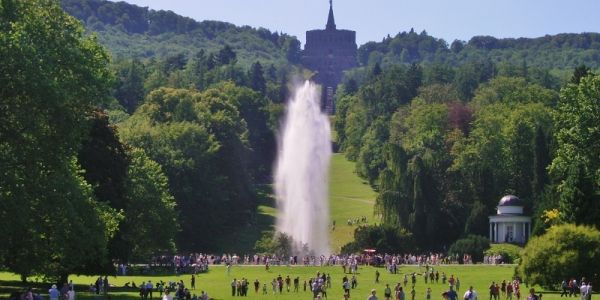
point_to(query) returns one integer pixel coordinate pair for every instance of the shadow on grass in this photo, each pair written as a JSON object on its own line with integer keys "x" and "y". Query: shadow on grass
{"x": 242, "y": 240}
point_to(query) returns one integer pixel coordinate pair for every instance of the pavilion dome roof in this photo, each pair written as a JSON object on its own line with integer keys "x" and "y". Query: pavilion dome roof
{"x": 510, "y": 200}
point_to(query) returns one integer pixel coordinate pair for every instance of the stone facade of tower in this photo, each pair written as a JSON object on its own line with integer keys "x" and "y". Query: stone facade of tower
{"x": 329, "y": 53}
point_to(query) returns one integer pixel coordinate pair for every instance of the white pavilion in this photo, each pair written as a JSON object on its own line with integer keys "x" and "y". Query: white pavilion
{"x": 510, "y": 225}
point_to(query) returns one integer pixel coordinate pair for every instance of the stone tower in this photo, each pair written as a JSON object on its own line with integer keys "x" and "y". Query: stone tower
{"x": 328, "y": 53}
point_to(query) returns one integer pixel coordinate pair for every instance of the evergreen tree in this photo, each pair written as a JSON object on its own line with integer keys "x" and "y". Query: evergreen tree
{"x": 541, "y": 160}
{"x": 130, "y": 91}
{"x": 580, "y": 72}
{"x": 226, "y": 55}
{"x": 376, "y": 70}
{"x": 257, "y": 78}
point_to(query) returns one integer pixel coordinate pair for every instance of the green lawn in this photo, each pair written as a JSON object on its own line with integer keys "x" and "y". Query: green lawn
{"x": 216, "y": 281}
{"x": 349, "y": 197}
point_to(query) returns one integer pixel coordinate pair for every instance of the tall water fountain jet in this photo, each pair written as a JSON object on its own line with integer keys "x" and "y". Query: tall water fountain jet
{"x": 302, "y": 172}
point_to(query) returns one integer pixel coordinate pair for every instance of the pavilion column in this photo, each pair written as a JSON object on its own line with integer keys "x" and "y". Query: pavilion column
{"x": 491, "y": 237}
{"x": 496, "y": 232}
{"x": 523, "y": 239}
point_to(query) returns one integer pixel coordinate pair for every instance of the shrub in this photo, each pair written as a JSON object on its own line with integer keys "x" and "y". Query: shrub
{"x": 473, "y": 245}
{"x": 509, "y": 252}
{"x": 274, "y": 243}
{"x": 565, "y": 251}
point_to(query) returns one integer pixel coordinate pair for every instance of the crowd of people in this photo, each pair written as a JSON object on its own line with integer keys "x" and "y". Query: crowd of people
{"x": 199, "y": 262}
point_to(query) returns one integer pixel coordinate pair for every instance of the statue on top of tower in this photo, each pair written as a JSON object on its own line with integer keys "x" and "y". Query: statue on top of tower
{"x": 330, "y": 19}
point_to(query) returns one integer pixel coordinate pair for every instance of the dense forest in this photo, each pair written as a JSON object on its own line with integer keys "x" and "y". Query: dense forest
{"x": 441, "y": 159}
{"x": 131, "y": 31}
{"x": 549, "y": 52}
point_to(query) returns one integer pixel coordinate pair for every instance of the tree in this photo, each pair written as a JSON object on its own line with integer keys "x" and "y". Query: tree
{"x": 202, "y": 141}
{"x": 42, "y": 123}
{"x": 376, "y": 70}
{"x": 226, "y": 55}
{"x": 196, "y": 69}
{"x": 576, "y": 166}
{"x": 541, "y": 161}
{"x": 457, "y": 46}
{"x": 130, "y": 88}
{"x": 564, "y": 251}
{"x": 150, "y": 221}
{"x": 105, "y": 161}
{"x": 580, "y": 72}
{"x": 477, "y": 221}
{"x": 293, "y": 52}
{"x": 470, "y": 75}
{"x": 257, "y": 78}
{"x": 370, "y": 158}
{"x": 417, "y": 219}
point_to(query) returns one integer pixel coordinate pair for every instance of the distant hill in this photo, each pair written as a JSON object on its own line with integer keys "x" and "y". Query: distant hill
{"x": 562, "y": 51}
{"x": 131, "y": 31}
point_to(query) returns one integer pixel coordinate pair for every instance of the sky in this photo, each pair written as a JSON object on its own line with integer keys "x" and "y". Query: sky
{"x": 374, "y": 19}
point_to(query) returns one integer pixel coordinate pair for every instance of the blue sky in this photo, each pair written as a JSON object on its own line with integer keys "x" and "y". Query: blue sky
{"x": 374, "y": 19}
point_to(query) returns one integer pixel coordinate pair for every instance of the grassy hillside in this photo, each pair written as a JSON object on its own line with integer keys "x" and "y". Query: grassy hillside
{"x": 349, "y": 197}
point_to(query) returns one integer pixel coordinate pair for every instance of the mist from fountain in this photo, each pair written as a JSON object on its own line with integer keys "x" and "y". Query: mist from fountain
{"x": 302, "y": 173}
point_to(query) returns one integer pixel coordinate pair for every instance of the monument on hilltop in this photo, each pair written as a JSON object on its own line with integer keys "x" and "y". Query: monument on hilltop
{"x": 329, "y": 53}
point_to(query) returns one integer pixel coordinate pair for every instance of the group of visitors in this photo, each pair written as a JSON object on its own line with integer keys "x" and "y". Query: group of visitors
{"x": 66, "y": 292}
{"x": 572, "y": 288}
{"x": 356, "y": 221}
{"x": 100, "y": 286}
{"x": 169, "y": 290}
{"x": 494, "y": 259}
{"x": 317, "y": 285}
{"x": 181, "y": 264}
{"x": 505, "y": 289}
{"x": 240, "y": 287}
{"x": 419, "y": 259}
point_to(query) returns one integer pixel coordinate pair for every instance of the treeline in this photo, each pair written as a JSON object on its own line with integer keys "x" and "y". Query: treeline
{"x": 130, "y": 31}
{"x": 137, "y": 78}
{"x": 117, "y": 161}
{"x": 441, "y": 158}
{"x": 562, "y": 51}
